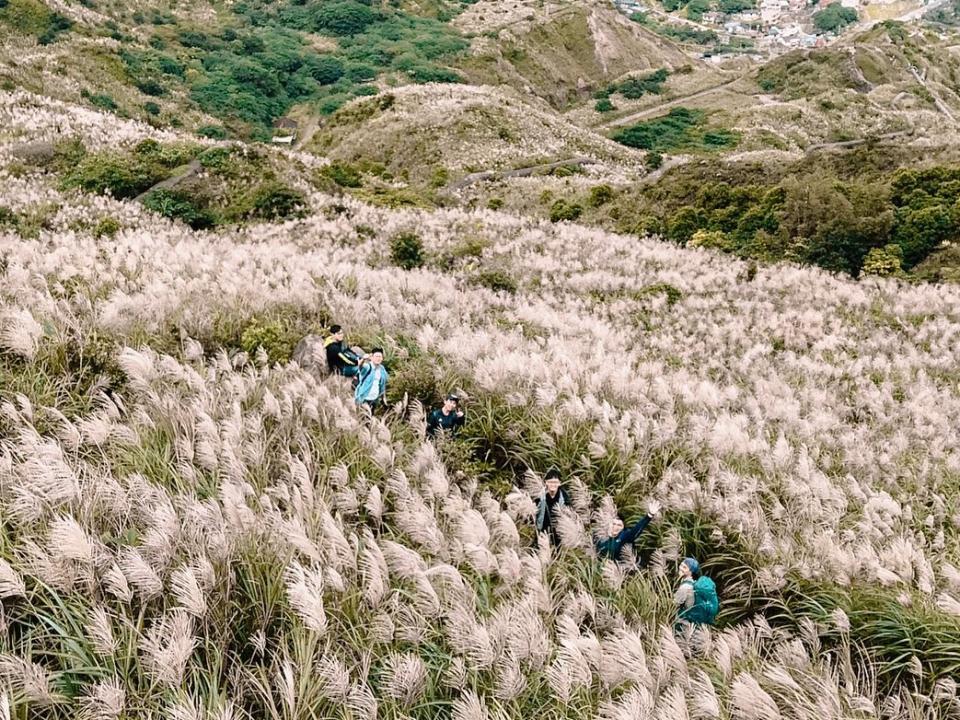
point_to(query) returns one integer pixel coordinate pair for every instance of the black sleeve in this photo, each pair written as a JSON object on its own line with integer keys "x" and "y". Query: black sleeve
{"x": 631, "y": 533}
{"x": 459, "y": 421}
{"x": 333, "y": 355}
{"x": 432, "y": 422}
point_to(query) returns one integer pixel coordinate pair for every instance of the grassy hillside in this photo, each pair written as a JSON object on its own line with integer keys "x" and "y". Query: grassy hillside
{"x": 566, "y": 55}
{"x": 437, "y": 134}
{"x": 222, "y": 70}
{"x": 195, "y": 527}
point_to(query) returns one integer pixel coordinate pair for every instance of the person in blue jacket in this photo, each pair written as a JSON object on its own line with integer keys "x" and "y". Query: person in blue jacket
{"x": 617, "y": 535}
{"x": 372, "y": 386}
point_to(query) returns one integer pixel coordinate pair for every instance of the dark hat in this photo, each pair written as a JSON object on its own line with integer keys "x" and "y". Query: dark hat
{"x": 454, "y": 397}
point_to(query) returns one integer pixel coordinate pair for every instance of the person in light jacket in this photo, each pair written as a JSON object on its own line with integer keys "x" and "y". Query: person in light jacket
{"x": 553, "y": 497}
{"x": 372, "y": 386}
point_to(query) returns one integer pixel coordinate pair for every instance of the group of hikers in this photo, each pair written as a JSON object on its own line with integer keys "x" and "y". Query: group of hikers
{"x": 696, "y": 595}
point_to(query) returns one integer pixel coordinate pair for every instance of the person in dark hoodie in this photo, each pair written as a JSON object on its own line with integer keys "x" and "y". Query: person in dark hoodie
{"x": 341, "y": 359}
{"x": 617, "y": 535}
{"x": 553, "y": 497}
{"x": 450, "y": 417}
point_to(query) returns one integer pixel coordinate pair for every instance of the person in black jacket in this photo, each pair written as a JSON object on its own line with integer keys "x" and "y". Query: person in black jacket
{"x": 553, "y": 497}
{"x": 341, "y": 359}
{"x": 617, "y": 536}
{"x": 450, "y": 417}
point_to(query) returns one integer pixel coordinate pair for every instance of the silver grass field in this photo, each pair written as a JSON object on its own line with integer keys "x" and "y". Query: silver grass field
{"x": 191, "y": 530}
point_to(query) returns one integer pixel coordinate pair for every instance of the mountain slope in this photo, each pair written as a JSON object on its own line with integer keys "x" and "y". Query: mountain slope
{"x": 217, "y": 532}
{"x": 458, "y": 129}
{"x": 567, "y": 53}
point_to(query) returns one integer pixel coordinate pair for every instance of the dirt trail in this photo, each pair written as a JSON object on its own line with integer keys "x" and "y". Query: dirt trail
{"x": 657, "y": 109}
{"x": 519, "y": 172}
{"x": 192, "y": 170}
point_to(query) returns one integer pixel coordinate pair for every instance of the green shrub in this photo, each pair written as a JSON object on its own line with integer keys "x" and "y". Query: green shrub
{"x": 325, "y": 69}
{"x": 343, "y": 174}
{"x": 713, "y": 239}
{"x": 273, "y": 200}
{"x": 343, "y": 17}
{"x": 681, "y": 128}
{"x": 179, "y": 205}
{"x": 633, "y": 88}
{"x": 494, "y": 203}
{"x": 654, "y": 160}
{"x": 100, "y": 100}
{"x": 31, "y": 17}
{"x": 360, "y": 72}
{"x": 151, "y": 108}
{"x": 440, "y": 177}
{"x": 600, "y": 195}
{"x": 276, "y": 339}
{"x": 604, "y": 105}
{"x": 720, "y": 139}
{"x": 562, "y": 210}
{"x": 114, "y": 174}
{"x": 496, "y": 279}
{"x": 834, "y": 17}
{"x": 151, "y": 87}
{"x": 696, "y": 9}
{"x": 883, "y": 262}
{"x": 215, "y": 158}
{"x": 406, "y": 250}
{"x": 56, "y": 25}
{"x": 107, "y": 227}
{"x": 418, "y": 379}
{"x": 214, "y": 132}
{"x": 731, "y": 7}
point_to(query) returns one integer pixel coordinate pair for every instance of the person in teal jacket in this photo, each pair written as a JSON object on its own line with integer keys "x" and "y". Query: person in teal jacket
{"x": 617, "y": 535}
{"x": 372, "y": 386}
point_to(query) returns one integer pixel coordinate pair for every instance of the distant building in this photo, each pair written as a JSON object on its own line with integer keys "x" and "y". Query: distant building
{"x": 285, "y": 131}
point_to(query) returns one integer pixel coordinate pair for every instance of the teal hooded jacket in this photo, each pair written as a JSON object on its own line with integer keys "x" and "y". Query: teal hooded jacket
{"x": 366, "y": 377}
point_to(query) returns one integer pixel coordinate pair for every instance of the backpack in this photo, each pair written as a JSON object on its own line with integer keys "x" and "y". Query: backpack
{"x": 706, "y": 604}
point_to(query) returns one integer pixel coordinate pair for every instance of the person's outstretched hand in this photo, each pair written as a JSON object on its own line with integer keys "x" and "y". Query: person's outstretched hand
{"x": 459, "y": 413}
{"x": 653, "y": 509}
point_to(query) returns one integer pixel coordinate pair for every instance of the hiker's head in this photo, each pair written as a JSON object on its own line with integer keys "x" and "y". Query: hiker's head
{"x": 376, "y": 356}
{"x": 336, "y": 331}
{"x": 689, "y": 568}
{"x": 552, "y": 480}
{"x": 451, "y": 403}
{"x": 615, "y": 527}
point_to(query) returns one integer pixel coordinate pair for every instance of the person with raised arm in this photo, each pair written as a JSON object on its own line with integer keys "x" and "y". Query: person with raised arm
{"x": 372, "y": 377}
{"x": 617, "y": 536}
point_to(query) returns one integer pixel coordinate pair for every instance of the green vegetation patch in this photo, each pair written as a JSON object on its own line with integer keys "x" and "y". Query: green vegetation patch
{"x": 32, "y": 17}
{"x": 880, "y": 225}
{"x": 680, "y": 129}
{"x": 122, "y": 174}
{"x": 808, "y": 74}
{"x": 680, "y": 33}
{"x": 635, "y": 87}
{"x": 834, "y": 17}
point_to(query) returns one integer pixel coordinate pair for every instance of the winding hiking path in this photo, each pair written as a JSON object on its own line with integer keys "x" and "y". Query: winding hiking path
{"x": 657, "y": 109}
{"x": 853, "y": 143}
{"x": 192, "y": 170}
{"x": 519, "y": 172}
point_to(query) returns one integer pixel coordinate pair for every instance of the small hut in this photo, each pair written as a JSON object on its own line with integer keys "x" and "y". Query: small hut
{"x": 285, "y": 131}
